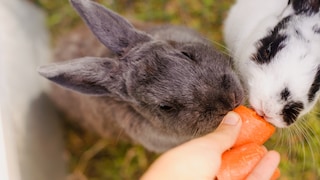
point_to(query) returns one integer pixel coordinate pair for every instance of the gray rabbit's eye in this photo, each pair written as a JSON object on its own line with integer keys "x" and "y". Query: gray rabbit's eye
{"x": 188, "y": 55}
{"x": 166, "y": 107}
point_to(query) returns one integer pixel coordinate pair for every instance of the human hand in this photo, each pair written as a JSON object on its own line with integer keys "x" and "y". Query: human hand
{"x": 200, "y": 158}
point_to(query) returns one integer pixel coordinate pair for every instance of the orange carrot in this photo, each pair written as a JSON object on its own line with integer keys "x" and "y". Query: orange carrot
{"x": 276, "y": 174}
{"x": 254, "y": 128}
{"x": 247, "y": 151}
{"x": 237, "y": 163}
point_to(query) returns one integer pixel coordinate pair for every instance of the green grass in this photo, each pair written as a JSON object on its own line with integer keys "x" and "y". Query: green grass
{"x": 299, "y": 147}
{"x": 93, "y": 158}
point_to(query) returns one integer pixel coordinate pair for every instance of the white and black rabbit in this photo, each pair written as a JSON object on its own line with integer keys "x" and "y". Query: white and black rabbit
{"x": 162, "y": 88}
{"x": 276, "y": 49}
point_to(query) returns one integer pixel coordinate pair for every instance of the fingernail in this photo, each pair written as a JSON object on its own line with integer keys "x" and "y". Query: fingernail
{"x": 231, "y": 119}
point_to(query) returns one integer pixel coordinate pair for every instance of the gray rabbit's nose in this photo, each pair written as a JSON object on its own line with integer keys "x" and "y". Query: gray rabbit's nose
{"x": 223, "y": 103}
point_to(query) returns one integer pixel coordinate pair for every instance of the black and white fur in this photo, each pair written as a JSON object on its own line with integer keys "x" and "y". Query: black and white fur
{"x": 276, "y": 48}
{"x": 163, "y": 88}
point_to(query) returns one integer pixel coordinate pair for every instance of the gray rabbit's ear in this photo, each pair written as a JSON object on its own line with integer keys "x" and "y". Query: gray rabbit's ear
{"x": 89, "y": 75}
{"x": 111, "y": 29}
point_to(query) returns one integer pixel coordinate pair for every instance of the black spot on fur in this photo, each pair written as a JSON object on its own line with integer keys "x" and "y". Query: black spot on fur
{"x": 281, "y": 25}
{"x": 316, "y": 29}
{"x": 285, "y": 94}
{"x": 268, "y": 49}
{"x": 315, "y": 86}
{"x": 306, "y": 6}
{"x": 270, "y": 45}
{"x": 291, "y": 111}
{"x": 298, "y": 32}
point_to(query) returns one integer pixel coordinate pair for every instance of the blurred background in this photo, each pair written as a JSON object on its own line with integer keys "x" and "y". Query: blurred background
{"x": 90, "y": 157}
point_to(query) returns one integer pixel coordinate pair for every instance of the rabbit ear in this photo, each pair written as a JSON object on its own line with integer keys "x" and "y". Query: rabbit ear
{"x": 89, "y": 75}
{"x": 111, "y": 29}
{"x": 306, "y": 6}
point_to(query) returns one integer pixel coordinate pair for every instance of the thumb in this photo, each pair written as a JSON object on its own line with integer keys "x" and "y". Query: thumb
{"x": 198, "y": 158}
{"x": 226, "y": 134}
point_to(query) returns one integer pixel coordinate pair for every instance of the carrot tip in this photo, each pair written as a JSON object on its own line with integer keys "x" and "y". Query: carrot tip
{"x": 254, "y": 127}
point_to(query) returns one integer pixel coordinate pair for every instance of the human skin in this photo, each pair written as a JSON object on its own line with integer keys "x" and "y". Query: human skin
{"x": 200, "y": 158}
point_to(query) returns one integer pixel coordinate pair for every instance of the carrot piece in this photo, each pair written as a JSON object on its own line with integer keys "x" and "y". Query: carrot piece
{"x": 254, "y": 128}
{"x": 247, "y": 151}
{"x": 237, "y": 163}
{"x": 276, "y": 174}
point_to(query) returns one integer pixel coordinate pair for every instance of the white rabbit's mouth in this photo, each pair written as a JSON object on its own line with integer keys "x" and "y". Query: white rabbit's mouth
{"x": 273, "y": 118}
{"x": 277, "y": 121}
{"x": 288, "y": 115}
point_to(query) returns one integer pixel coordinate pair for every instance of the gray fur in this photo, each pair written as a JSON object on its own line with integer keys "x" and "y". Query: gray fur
{"x": 163, "y": 88}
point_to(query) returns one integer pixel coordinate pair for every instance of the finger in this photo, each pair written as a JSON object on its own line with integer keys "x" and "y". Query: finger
{"x": 226, "y": 134}
{"x": 266, "y": 167}
{"x": 201, "y": 156}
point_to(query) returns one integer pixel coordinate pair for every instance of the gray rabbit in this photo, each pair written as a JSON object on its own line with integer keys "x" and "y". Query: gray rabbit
{"x": 161, "y": 88}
